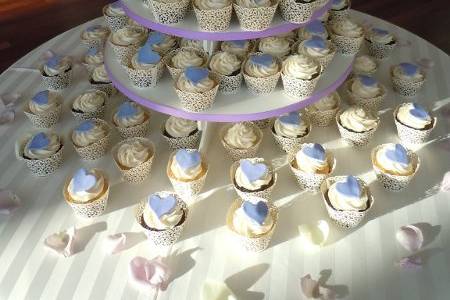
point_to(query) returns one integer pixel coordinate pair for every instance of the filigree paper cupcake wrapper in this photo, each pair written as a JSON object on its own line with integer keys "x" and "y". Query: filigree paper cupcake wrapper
{"x": 379, "y": 50}
{"x": 40, "y": 167}
{"x": 197, "y": 102}
{"x": 310, "y": 181}
{"x": 145, "y": 78}
{"x": 123, "y": 53}
{"x": 228, "y": 84}
{"x": 347, "y": 45}
{"x": 261, "y": 85}
{"x": 344, "y": 218}
{"x": 58, "y": 82}
{"x": 338, "y": 15}
{"x": 140, "y": 130}
{"x": 235, "y": 153}
{"x": 176, "y": 72}
{"x": 43, "y": 120}
{"x": 406, "y": 88}
{"x": 115, "y": 23}
{"x": 98, "y": 114}
{"x": 370, "y": 104}
{"x": 255, "y": 19}
{"x": 169, "y": 13}
{"x": 297, "y": 12}
{"x": 323, "y": 118}
{"x": 93, "y": 43}
{"x": 190, "y": 141}
{"x": 97, "y": 149}
{"x": 214, "y": 20}
{"x": 251, "y": 244}
{"x": 412, "y": 135}
{"x": 290, "y": 145}
{"x": 298, "y": 88}
{"x": 264, "y": 123}
{"x": 355, "y": 139}
{"x": 106, "y": 87}
{"x": 139, "y": 173}
{"x": 391, "y": 182}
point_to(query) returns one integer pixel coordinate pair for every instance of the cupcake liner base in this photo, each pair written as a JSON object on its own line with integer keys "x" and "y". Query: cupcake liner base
{"x": 264, "y": 123}
{"x": 338, "y": 15}
{"x": 263, "y": 85}
{"x": 90, "y": 209}
{"x": 58, "y": 82}
{"x": 98, "y": 114}
{"x": 45, "y": 167}
{"x": 108, "y": 88}
{"x": 255, "y": 19}
{"x": 45, "y": 120}
{"x": 115, "y": 23}
{"x": 197, "y": 102}
{"x": 346, "y": 45}
{"x": 140, "y": 130}
{"x": 380, "y": 51}
{"x": 214, "y": 20}
{"x": 369, "y": 104}
{"x": 405, "y": 88}
{"x": 310, "y": 181}
{"x": 123, "y": 53}
{"x": 411, "y": 135}
{"x": 322, "y": 118}
{"x": 298, "y": 88}
{"x": 294, "y": 12}
{"x": 229, "y": 85}
{"x": 189, "y": 142}
{"x": 145, "y": 78}
{"x": 169, "y": 13}
{"x": 355, "y": 139}
{"x": 235, "y": 153}
{"x": 290, "y": 145}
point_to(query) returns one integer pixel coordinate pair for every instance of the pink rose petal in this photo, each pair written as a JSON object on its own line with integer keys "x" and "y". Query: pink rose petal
{"x": 115, "y": 243}
{"x": 62, "y": 242}
{"x": 445, "y": 184}
{"x": 9, "y": 202}
{"x": 326, "y": 293}
{"x": 7, "y": 116}
{"x": 410, "y": 237}
{"x": 410, "y": 263}
{"x": 149, "y": 273}
{"x": 310, "y": 287}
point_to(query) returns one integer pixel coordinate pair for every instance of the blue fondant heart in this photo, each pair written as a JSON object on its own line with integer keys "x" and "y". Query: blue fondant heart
{"x": 292, "y": 118}
{"x": 83, "y": 181}
{"x": 196, "y": 74}
{"x": 155, "y": 38}
{"x": 263, "y": 60}
{"x": 53, "y": 61}
{"x": 419, "y": 112}
{"x": 93, "y": 28}
{"x": 115, "y": 4}
{"x": 147, "y": 56}
{"x": 85, "y": 126}
{"x": 239, "y": 43}
{"x": 367, "y": 80}
{"x": 187, "y": 159}
{"x": 162, "y": 205}
{"x": 379, "y": 31}
{"x": 399, "y": 154}
{"x": 257, "y": 212}
{"x": 409, "y": 69}
{"x": 315, "y": 42}
{"x": 41, "y": 98}
{"x": 315, "y": 151}
{"x": 349, "y": 188}
{"x": 92, "y": 51}
{"x": 126, "y": 110}
{"x": 253, "y": 171}
{"x": 39, "y": 141}
{"x": 315, "y": 27}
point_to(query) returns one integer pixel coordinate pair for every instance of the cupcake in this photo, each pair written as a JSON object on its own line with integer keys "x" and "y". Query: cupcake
{"x": 255, "y": 15}
{"x": 57, "y": 72}
{"x": 145, "y": 67}
{"x": 319, "y": 49}
{"x": 89, "y": 104}
{"x": 93, "y": 58}
{"x": 253, "y": 179}
{"x": 179, "y": 59}
{"x": 311, "y": 165}
{"x": 347, "y": 36}
{"x": 86, "y": 191}
{"x": 115, "y": 16}
{"x": 339, "y": 10}
{"x": 407, "y": 79}
{"x": 95, "y": 36}
{"x": 241, "y": 140}
{"x": 366, "y": 92}
{"x": 291, "y": 36}
{"x": 44, "y": 109}
{"x": 394, "y": 166}
{"x": 364, "y": 65}
{"x": 226, "y": 67}
{"x": 162, "y": 217}
{"x": 298, "y": 12}
{"x": 91, "y": 138}
{"x": 261, "y": 73}
{"x": 252, "y": 224}
{"x": 134, "y": 158}
{"x": 131, "y": 120}
{"x": 187, "y": 171}
{"x": 126, "y": 41}
{"x": 323, "y": 112}
{"x": 42, "y": 152}
{"x": 239, "y": 47}
{"x": 414, "y": 123}
{"x": 314, "y": 28}
{"x": 300, "y": 74}
{"x": 263, "y": 123}
{"x": 169, "y": 11}
{"x": 357, "y": 125}
{"x": 161, "y": 42}
{"x": 99, "y": 80}
{"x": 276, "y": 46}
{"x": 213, "y": 15}
{"x": 189, "y": 43}
{"x": 196, "y": 89}
{"x": 290, "y": 131}
{"x": 380, "y": 43}
{"x": 181, "y": 133}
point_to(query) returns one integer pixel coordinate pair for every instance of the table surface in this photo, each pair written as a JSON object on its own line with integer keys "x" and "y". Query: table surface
{"x": 357, "y": 264}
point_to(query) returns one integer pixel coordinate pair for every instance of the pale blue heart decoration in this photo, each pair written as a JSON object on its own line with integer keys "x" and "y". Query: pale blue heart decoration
{"x": 239, "y": 43}
{"x": 147, "y": 56}
{"x": 162, "y": 205}
{"x": 196, "y": 74}
{"x": 85, "y": 126}
{"x": 53, "y": 61}
{"x": 188, "y": 159}
{"x": 349, "y": 188}
{"x": 367, "y": 80}
{"x": 399, "y": 154}
{"x": 39, "y": 141}
{"x": 41, "y": 97}
{"x": 409, "y": 69}
{"x": 262, "y": 60}
{"x": 380, "y": 32}
{"x": 315, "y": 42}
{"x": 315, "y": 27}
{"x": 257, "y": 212}
{"x": 126, "y": 110}
{"x": 83, "y": 181}
{"x": 253, "y": 171}
{"x": 92, "y": 51}
{"x": 93, "y": 28}
{"x": 155, "y": 38}
{"x": 292, "y": 118}
{"x": 419, "y": 112}
{"x": 315, "y": 151}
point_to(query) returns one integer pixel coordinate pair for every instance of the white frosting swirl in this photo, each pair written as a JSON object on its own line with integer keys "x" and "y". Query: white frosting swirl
{"x": 246, "y": 226}
{"x": 93, "y": 192}
{"x": 97, "y": 32}
{"x": 397, "y": 71}
{"x": 364, "y": 64}
{"x": 253, "y": 3}
{"x": 347, "y": 28}
{"x": 168, "y": 43}
{"x": 314, "y": 51}
{"x": 310, "y": 164}
{"x": 358, "y": 119}
{"x": 305, "y": 34}
{"x": 178, "y": 127}
{"x": 100, "y": 75}
{"x": 405, "y": 117}
{"x": 391, "y": 166}
{"x": 301, "y": 67}
{"x": 53, "y": 147}
{"x": 137, "y": 65}
{"x": 225, "y": 63}
{"x": 187, "y": 58}
{"x": 132, "y": 154}
{"x": 340, "y": 5}
{"x": 291, "y": 130}
{"x": 197, "y": 44}
{"x": 129, "y": 35}
{"x": 188, "y": 174}
{"x": 63, "y": 65}
{"x": 326, "y": 103}
{"x": 381, "y": 36}
{"x": 358, "y": 89}
{"x": 114, "y": 10}
{"x": 241, "y": 136}
{"x": 186, "y": 85}
{"x": 94, "y": 59}
{"x": 167, "y": 221}
{"x": 260, "y": 71}
{"x": 242, "y": 180}
{"x": 130, "y": 120}
{"x": 86, "y": 138}
{"x": 343, "y": 202}
{"x": 52, "y": 103}
{"x": 211, "y": 4}
{"x": 89, "y": 101}
{"x": 235, "y": 48}
{"x": 274, "y": 45}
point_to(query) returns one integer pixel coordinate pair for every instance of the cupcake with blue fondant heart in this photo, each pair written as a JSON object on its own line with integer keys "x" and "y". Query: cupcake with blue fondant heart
{"x": 300, "y": 74}
{"x": 162, "y": 217}
{"x": 226, "y": 67}
{"x": 89, "y": 104}
{"x": 93, "y": 58}
{"x": 407, "y": 78}
{"x": 187, "y": 170}
{"x": 290, "y": 131}
{"x": 414, "y": 123}
{"x": 339, "y": 10}
{"x": 366, "y": 91}
{"x": 261, "y": 73}
{"x": 131, "y": 120}
{"x": 99, "y": 80}
{"x": 311, "y": 165}
{"x": 126, "y": 41}
{"x": 255, "y": 15}
{"x": 95, "y": 36}
{"x": 87, "y": 191}
{"x": 168, "y": 11}
{"x": 179, "y": 59}
{"x": 57, "y": 72}
{"x": 253, "y": 178}
{"x": 347, "y": 199}
{"x": 115, "y": 16}
{"x": 196, "y": 88}
{"x": 394, "y": 165}
{"x": 298, "y": 11}
{"x": 380, "y": 42}
{"x": 252, "y": 223}
{"x": 91, "y": 138}
{"x": 41, "y": 151}
{"x": 145, "y": 67}
{"x": 238, "y": 47}
{"x": 44, "y": 109}
{"x": 161, "y": 42}
{"x": 319, "y": 49}
{"x": 314, "y": 28}
{"x": 347, "y": 36}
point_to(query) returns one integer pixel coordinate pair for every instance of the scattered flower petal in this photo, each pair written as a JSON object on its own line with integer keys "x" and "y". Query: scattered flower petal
{"x": 326, "y": 293}
{"x": 149, "y": 273}
{"x": 313, "y": 237}
{"x": 7, "y": 104}
{"x": 410, "y": 237}
{"x": 62, "y": 242}
{"x": 115, "y": 243}
{"x": 7, "y": 116}
{"x": 216, "y": 290}
{"x": 9, "y": 202}
{"x": 410, "y": 263}
{"x": 312, "y": 289}
{"x": 445, "y": 184}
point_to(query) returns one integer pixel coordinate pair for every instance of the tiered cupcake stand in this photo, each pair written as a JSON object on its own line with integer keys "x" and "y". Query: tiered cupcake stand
{"x": 356, "y": 264}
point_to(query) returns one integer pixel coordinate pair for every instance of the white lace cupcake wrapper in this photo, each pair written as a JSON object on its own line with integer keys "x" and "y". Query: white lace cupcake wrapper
{"x": 169, "y": 13}
{"x": 215, "y": 20}
{"x": 294, "y": 12}
{"x": 255, "y": 19}
{"x": 347, "y": 45}
{"x": 46, "y": 119}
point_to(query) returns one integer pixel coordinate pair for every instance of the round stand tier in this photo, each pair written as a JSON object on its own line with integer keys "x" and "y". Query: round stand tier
{"x": 227, "y": 108}
{"x": 188, "y": 28}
